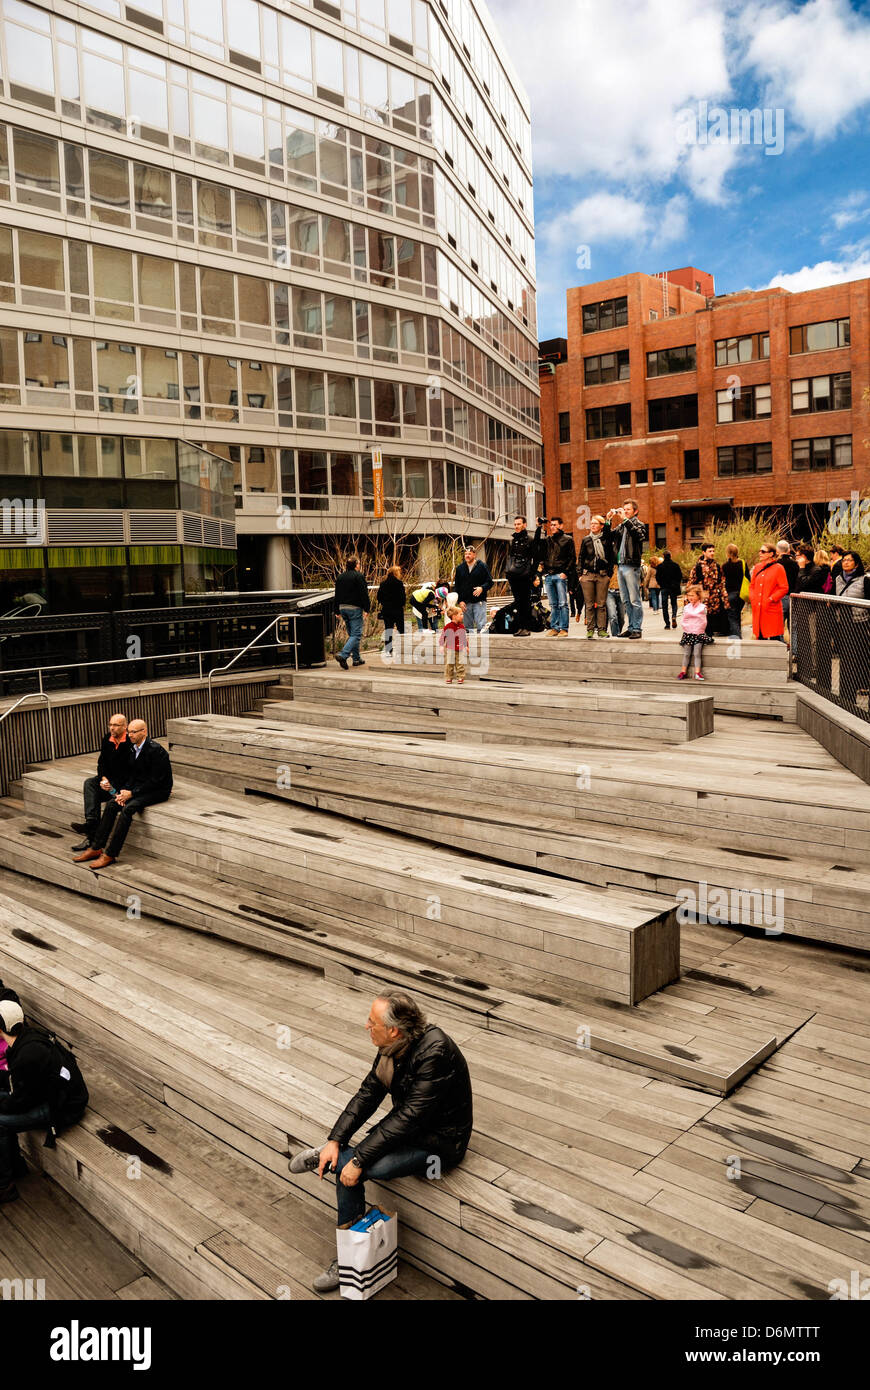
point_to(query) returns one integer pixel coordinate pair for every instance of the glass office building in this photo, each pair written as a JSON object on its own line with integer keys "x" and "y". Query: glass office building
{"x": 283, "y": 233}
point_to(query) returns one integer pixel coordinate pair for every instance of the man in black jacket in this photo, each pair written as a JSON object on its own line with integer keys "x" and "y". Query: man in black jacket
{"x": 428, "y": 1128}
{"x": 112, "y": 766}
{"x": 352, "y": 601}
{"x": 560, "y": 567}
{"x": 149, "y": 781}
{"x": 522, "y": 575}
{"x": 46, "y": 1091}
{"x": 670, "y": 580}
{"x": 472, "y": 582}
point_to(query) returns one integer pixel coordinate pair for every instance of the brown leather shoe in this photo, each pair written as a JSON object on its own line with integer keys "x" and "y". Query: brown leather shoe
{"x": 87, "y": 854}
{"x": 102, "y": 863}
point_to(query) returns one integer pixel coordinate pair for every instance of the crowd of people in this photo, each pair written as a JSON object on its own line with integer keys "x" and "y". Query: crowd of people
{"x": 607, "y": 579}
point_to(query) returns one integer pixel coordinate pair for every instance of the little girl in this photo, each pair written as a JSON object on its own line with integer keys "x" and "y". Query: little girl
{"x": 694, "y": 638}
{"x": 453, "y": 641}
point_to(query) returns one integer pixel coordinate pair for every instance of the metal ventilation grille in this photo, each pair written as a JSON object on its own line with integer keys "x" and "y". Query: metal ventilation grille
{"x": 211, "y": 531}
{"x": 228, "y": 535}
{"x": 192, "y": 529}
{"x": 154, "y": 528}
{"x": 85, "y": 528}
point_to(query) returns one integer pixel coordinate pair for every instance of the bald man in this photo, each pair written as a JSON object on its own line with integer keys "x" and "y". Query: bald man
{"x": 148, "y": 781}
{"x": 112, "y": 764}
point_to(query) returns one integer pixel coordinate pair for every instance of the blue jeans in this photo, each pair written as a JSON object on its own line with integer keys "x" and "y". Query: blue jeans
{"x": 10, "y": 1128}
{"x": 629, "y": 592}
{"x": 400, "y": 1163}
{"x": 557, "y": 593}
{"x": 474, "y": 618}
{"x": 353, "y": 621}
{"x": 615, "y": 614}
{"x": 654, "y": 599}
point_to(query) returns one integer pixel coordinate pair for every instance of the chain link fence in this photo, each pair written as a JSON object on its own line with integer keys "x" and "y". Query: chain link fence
{"x": 830, "y": 649}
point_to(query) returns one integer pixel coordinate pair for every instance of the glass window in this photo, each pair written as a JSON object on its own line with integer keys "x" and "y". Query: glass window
{"x": 214, "y": 215}
{"x": 40, "y": 260}
{"x": 565, "y": 427}
{"x": 307, "y": 319}
{"x": 296, "y": 62}
{"x": 252, "y": 224}
{"x": 29, "y": 55}
{"x": 151, "y": 471}
{"x": 338, "y": 320}
{"x": 329, "y": 67}
{"x": 313, "y": 479}
{"x": 332, "y": 144}
{"x": 152, "y": 194}
{"x": 110, "y": 188}
{"x": 301, "y": 152}
{"x": 304, "y": 238}
{"x": 218, "y": 300}
{"x": 593, "y": 473}
{"x": 117, "y": 378}
{"x": 310, "y": 400}
{"x": 113, "y": 283}
{"x": 221, "y": 388}
{"x": 341, "y": 396}
{"x": 160, "y": 375}
{"x": 156, "y": 286}
{"x": 257, "y": 385}
{"x": 691, "y": 463}
{"x": 37, "y": 170}
{"x": 253, "y": 302}
{"x": 335, "y": 240}
{"x": 384, "y": 328}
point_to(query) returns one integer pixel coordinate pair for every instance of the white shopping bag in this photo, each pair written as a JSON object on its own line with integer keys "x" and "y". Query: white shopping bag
{"x": 367, "y": 1260}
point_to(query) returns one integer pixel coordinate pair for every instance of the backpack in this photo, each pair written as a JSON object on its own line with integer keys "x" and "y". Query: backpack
{"x": 68, "y": 1096}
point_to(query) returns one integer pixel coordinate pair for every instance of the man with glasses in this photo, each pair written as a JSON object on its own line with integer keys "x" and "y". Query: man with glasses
{"x": 112, "y": 765}
{"x": 148, "y": 781}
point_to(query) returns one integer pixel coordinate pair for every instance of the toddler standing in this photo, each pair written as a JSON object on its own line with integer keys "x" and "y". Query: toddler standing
{"x": 453, "y": 641}
{"x": 694, "y": 638}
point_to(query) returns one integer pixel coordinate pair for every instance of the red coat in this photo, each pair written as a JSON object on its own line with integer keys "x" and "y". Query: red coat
{"x": 767, "y": 588}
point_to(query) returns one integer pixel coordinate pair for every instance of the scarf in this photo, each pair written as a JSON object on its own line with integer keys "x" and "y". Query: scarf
{"x": 598, "y": 544}
{"x": 386, "y": 1063}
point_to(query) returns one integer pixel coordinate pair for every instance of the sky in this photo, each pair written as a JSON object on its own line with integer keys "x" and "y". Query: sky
{"x": 639, "y": 165}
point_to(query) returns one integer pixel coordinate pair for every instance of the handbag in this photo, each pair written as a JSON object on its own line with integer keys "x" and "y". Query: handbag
{"x": 744, "y": 587}
{"x": 828, "y": 585}
{"x": 368, "y": 1257}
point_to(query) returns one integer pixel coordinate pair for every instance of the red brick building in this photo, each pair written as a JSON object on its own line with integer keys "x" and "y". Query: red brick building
{"x": 701, "y": 406}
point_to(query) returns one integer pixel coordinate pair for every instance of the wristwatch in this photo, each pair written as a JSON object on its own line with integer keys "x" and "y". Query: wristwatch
{"x": 356, "y": 1163}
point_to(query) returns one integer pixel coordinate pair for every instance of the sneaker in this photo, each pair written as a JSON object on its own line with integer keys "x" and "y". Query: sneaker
{"x": 359, "y": 663}
{"x": 561, "y": 633}
{"x": 307, "y": 1161}
{"x": 523, "y": 632}
{"x": 590, "y": 636}
{"x": 342, "y": 661}
{"x": 681, "y": 676}
{"x": 85, "y": 844}
{"x": 699, "y": 676}
{"x": 602, "y": 632}
{"x": 552, "y": 632}
{"x": 635, "y": 636}
{"x": 328, "y": 1281}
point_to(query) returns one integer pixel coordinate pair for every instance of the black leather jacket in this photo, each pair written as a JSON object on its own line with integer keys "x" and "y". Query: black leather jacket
{"x": 589, "y": 562}
{"x": 635, "y": 540}
{"x": 432, "y": 1107}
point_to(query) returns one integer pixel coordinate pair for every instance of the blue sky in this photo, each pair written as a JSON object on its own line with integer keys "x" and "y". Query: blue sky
{"x": 617, "y": 90}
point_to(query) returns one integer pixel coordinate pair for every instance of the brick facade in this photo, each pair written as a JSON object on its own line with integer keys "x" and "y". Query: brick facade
{"x": 678, "y": 508}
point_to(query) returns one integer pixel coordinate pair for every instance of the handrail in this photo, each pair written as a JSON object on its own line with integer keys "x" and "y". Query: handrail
{"x": 282, "y": 617}
{"x": 35, "y": 695}
{"x": 121, "y": 660}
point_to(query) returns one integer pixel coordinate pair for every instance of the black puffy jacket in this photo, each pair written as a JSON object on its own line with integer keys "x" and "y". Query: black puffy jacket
{"x": 522, "y": 555}
{"x": 432, "y": 1107}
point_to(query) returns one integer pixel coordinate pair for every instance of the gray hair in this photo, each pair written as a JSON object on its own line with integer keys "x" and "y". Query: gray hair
{"x": 404, "y": 1013}
{"x": 783, "y": 547}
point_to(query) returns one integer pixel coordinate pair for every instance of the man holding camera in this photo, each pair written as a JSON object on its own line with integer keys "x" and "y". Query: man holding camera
{"x": 629, "y": 538}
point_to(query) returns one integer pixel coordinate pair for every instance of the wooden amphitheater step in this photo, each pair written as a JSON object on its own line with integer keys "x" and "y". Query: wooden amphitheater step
{"x": 556, "y": 934}
{"x": 209, "y": 1055}
{"x": 52, "y": 1248}
{"x": 581, "y": 1178}
{"x": 706, "y": 789}
{"x": 541, "y": 714}
{"x": 713, "y": 1051}
{"x": 747, "y": 677}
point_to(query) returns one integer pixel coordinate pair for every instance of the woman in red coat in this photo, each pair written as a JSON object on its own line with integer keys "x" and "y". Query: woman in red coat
{"x": 767, "y": 588}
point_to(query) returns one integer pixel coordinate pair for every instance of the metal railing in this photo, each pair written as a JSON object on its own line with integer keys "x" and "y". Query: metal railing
{"x": 830, "y": 649}
{"x": 281, "y": 618}
{"x": 35, "y": 695}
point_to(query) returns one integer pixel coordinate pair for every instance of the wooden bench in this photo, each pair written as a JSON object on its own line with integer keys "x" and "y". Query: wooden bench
{"x": 490, "y": 713}
{"x": 552, "y": 933}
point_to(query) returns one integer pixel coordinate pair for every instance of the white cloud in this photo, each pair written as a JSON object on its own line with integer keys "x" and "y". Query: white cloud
{"x": 813, "y": 59}
{"x": 852, "y": 209}
{"x": 813, "y": 277}
{"x": 606, "y": 81}
{"x": 615, "y": 218}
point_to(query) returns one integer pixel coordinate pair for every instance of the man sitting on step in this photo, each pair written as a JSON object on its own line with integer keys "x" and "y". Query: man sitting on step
{"x": 46, "y": 1092}
{"x": 428, "y": 1128}
{"x": 112, "y": 767}
{"x": 148, "y": 781}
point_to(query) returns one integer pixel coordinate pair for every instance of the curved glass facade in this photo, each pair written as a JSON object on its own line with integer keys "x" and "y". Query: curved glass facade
{"x": 288, "y": 232}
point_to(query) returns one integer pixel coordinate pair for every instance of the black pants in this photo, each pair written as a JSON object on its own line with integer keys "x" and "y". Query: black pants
{"x": 394, "y": 621}
{"x": 521, "y": 588}
{"x": 94, "y": 797}
{"x": 116, "y": 820}
{"x": 669, "y": 597}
